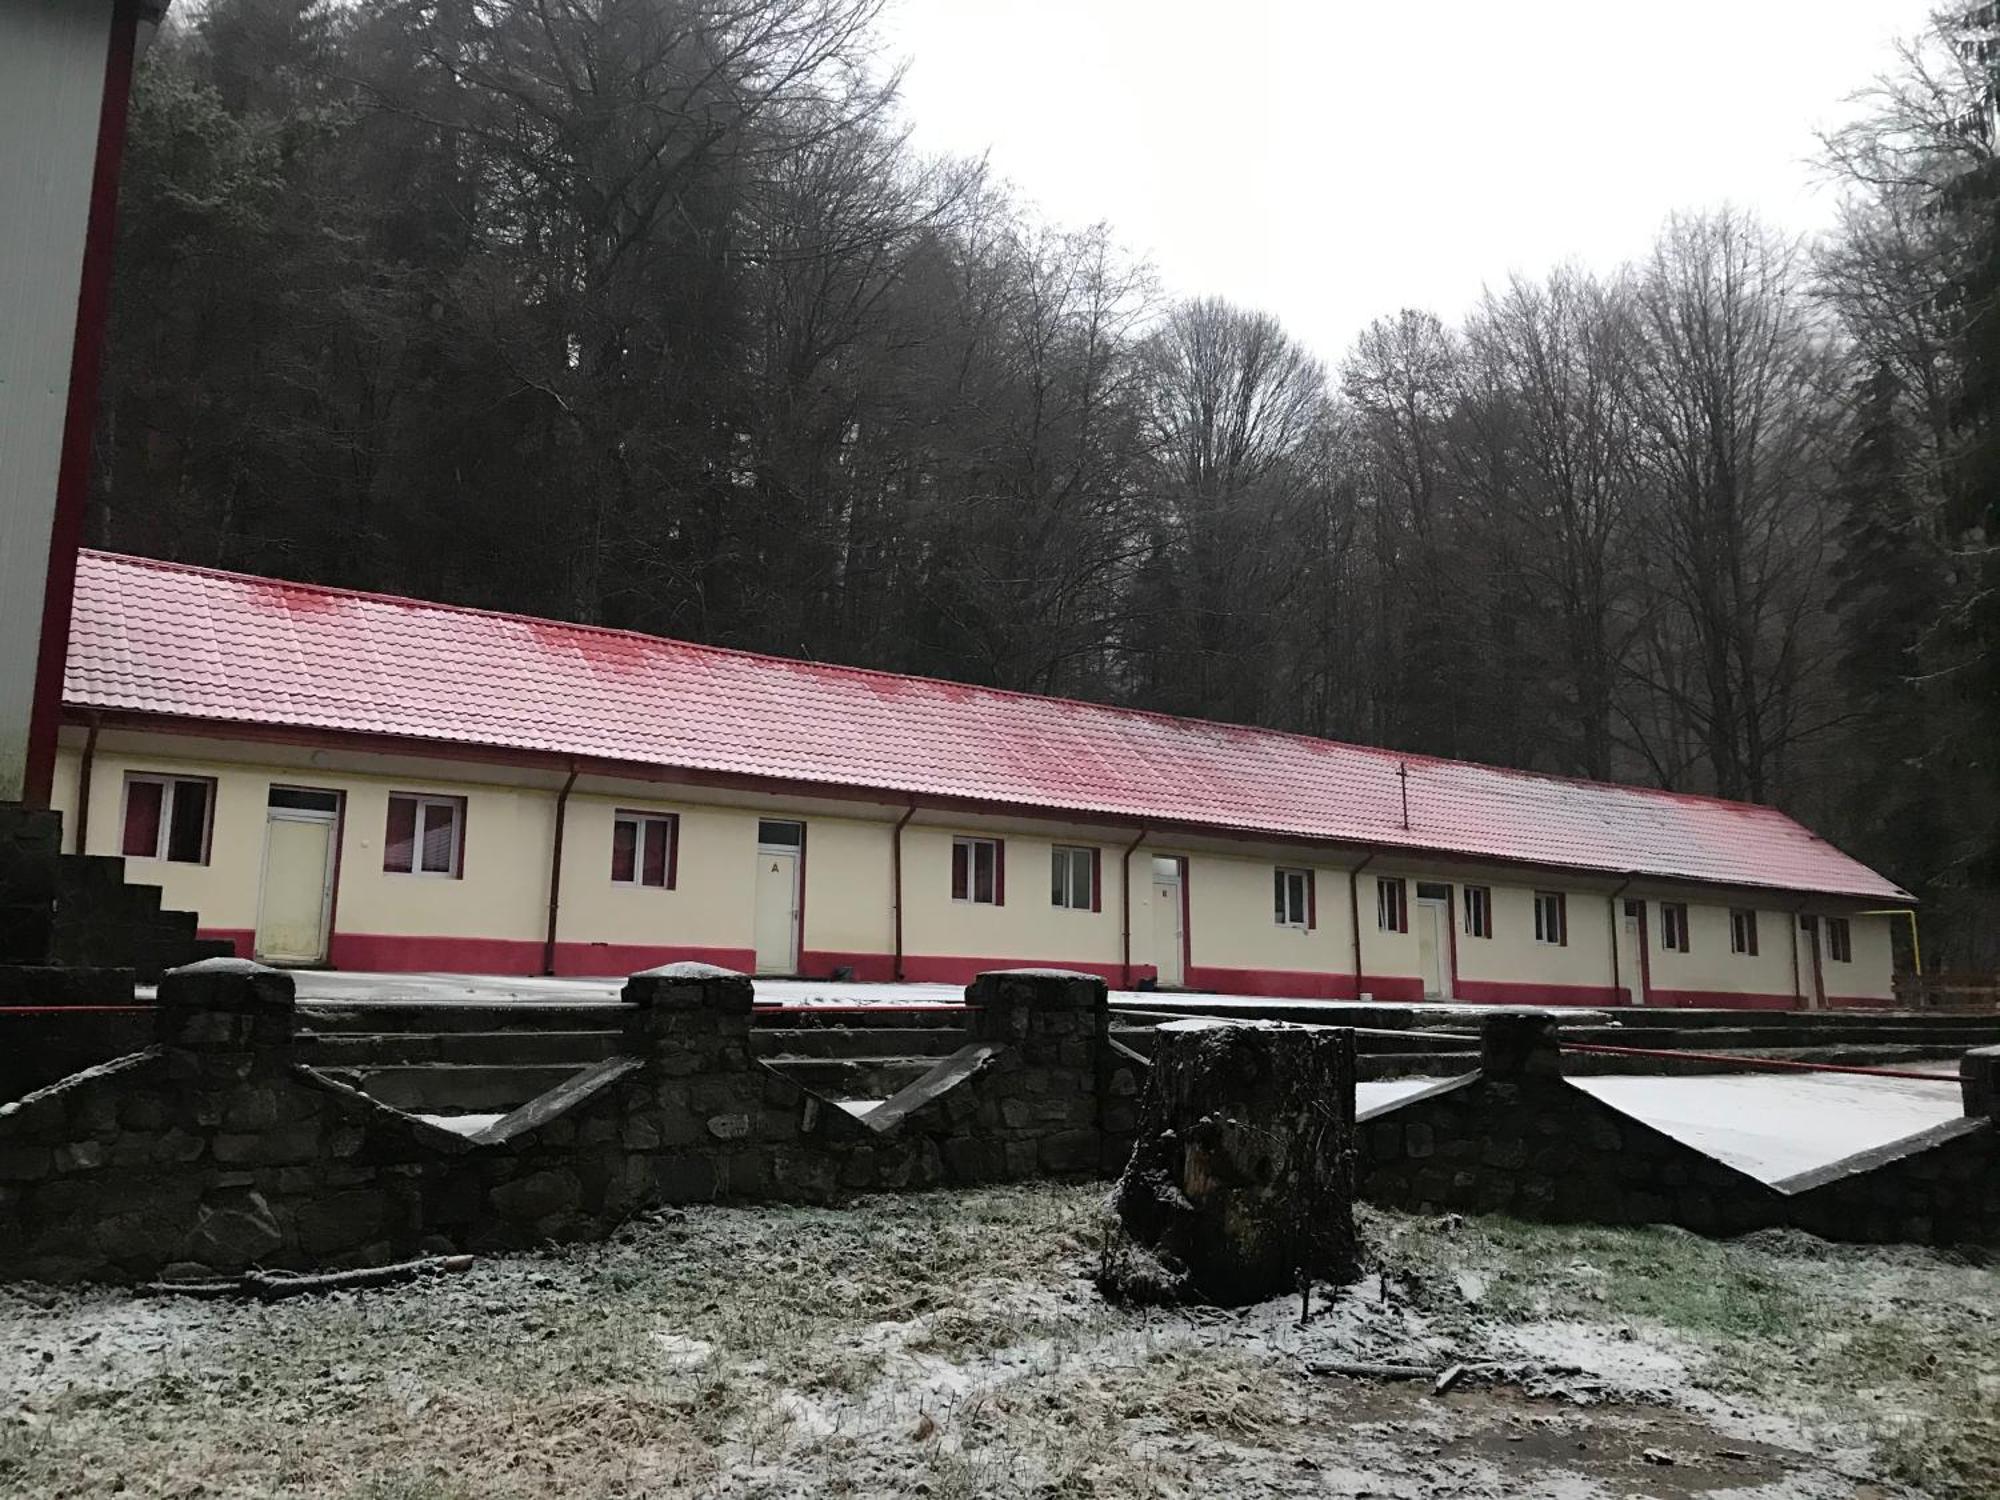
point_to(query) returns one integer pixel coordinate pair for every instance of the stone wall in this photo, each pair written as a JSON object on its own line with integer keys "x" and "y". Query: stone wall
{"x": 216, "y": 1149}
{"x": 1516, "y": 1137}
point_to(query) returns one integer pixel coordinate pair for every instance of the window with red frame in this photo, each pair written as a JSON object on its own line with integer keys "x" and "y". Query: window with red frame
{"x": 168, "y": 817}
{"x": 978, "y": 872}
{"x": 644, "y": 848}
{"x": 426, "y": 835}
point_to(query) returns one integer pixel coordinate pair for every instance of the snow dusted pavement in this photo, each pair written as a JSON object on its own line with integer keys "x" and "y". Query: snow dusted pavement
{"x": 1770, "y": 1125}
{"x": 1774, "y": 1126}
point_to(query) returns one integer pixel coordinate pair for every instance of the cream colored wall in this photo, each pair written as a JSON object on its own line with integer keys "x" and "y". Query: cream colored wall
{"x": 1512, "y": 956}
{"x": 1870, "y": 975}
{"x": 1027, "y": 927}
{"x": 1384, "y": 954}
{"x": 711, "y": 904}
{"x": 223, "y": 891}
{"x": 510, "y": 823}
{"x": 1232, "y": 917}
{"x": 848, "y": 877}
{"x": 1709, "y": 965}
{"x": 63, "y": 791}
{"x": 502, "y": 893}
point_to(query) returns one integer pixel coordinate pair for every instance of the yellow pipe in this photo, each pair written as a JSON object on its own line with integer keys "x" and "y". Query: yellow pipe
{"x": 1916, "y": 947}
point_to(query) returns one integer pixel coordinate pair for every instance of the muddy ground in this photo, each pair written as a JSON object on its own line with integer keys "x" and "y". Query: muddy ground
{"x": 952, "y": 1345}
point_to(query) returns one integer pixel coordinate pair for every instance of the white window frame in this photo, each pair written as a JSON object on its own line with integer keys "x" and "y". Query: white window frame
{"x": 1478, "y": 901}
{"x": 1392, "y": 913}
{"x": 170, "y": 791}
{"x": 643, "y": 820}
{"x": 1291, "y": 882}
{"x": 1743, "y": 931}
{"x": 1673, "y": 926}
{"x": 1841, "y": 952}
{"x": 1064, "y": 860}
{"x": 456, "y": 806}
{"x": 973, "y": 845}
{"x": 1551, "y": 919}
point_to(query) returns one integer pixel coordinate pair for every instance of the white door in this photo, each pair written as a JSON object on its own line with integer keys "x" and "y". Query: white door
{"x": 1632, "y": 955}
{"x": 295, "y": 898}
{"x": 1434, "y": 946}
{"x": 779, "y": 848}
{"x": 1169, "y": 932}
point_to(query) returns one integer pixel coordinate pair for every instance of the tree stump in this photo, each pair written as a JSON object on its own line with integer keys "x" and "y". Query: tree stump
{"x": 1241, "y": 1185}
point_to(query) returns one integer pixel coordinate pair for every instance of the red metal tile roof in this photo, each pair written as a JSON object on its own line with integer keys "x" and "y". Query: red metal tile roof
{"x": 160, "y": 638}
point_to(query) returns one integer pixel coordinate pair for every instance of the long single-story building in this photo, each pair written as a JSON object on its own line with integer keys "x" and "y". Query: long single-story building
{"x": 338, "y": 778}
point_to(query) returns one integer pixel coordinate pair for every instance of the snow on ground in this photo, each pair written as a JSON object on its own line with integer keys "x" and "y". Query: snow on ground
{"x": 1775, "y": 1125}
{"x": 1769, "y": 1125}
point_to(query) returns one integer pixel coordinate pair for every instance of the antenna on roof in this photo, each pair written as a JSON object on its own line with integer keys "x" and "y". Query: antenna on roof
{"x": 1403, "y": 775}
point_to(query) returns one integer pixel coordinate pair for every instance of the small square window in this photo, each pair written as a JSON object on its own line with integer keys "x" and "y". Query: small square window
{"x": 168, "y": 817}
{"x": 1551, "y": 918}
{"x": 1839, "y": 940}
{"x": 425, "y": 835}
{"x": 1294, "y": 898}
{"x": 643, "y": 849}
{"x": 976, "y": 872}
{"x": 1674, "y": 926}
{"x": 1743, "y": 931}
{"x": 1073, "y": 878}
{"x": 1392, "y": 912}
{"x": 1479, "y": 911}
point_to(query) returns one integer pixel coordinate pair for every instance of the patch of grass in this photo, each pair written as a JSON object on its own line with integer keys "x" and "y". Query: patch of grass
{"x": 1900, "y": 1344}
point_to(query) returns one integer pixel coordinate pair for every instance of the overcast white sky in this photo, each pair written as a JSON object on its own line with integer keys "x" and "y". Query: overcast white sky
{"x": 1331, "y": 161}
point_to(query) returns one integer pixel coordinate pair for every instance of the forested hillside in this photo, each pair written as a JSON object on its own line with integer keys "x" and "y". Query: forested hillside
{"x": 646, "y": 313}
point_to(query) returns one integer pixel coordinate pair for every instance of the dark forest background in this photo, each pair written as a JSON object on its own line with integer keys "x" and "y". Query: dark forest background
{"x": 646, "y": 313}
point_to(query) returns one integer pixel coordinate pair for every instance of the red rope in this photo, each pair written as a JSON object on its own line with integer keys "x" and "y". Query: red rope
{"x": 1755, "y": 1062}
{"x": 862, "y": 1008}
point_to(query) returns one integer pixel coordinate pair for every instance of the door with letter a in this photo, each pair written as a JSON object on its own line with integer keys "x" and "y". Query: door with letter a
{"x": 780, "y": 860}
{"x": 1169, "y": 921}
{"x": 295, "y": 900}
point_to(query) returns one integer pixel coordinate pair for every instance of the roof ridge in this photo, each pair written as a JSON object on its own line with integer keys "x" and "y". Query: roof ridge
{"x": 1407, "y": 757}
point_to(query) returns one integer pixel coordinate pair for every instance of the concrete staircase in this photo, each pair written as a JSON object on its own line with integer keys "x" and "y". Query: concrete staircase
{"x": 1403, "y": 1041}
{"x": 73, "y": 932}
{"x": 856, "y": 1056}
{"x": 486, "y": 1059}
{"x": 101, "y": 918}
{"x": 457, "y": 1059}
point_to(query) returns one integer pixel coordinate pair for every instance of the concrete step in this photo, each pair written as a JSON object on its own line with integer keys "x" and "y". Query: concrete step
{"x": 863, "y": 1041}
{"x": 853, "y": 1077}
{"x": 451, "y": 1088}
{"x": 377, "y": 1049}
{"x": 391, "y": 1017}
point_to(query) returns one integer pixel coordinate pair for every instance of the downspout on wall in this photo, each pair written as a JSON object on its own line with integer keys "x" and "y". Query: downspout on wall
{"x": 1354, "y": 915}
{"x": 555, "y": 873}
{"x": 1125, "y": 897}
{"x": 1616, "y": 923}
{"x": 896, "y": 884}
{"x": 83, "y": 773}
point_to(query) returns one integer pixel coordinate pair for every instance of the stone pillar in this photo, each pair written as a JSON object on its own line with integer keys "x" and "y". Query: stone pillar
{"x": 1043, "y": 1104}
{"x": 226, "y": 1016}
{"x": 1052, "y": 1016}
{"x": 694, "y": 1017}
{"x": 1979, "y": 1083}
{"x": 1519, "y": 1047}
